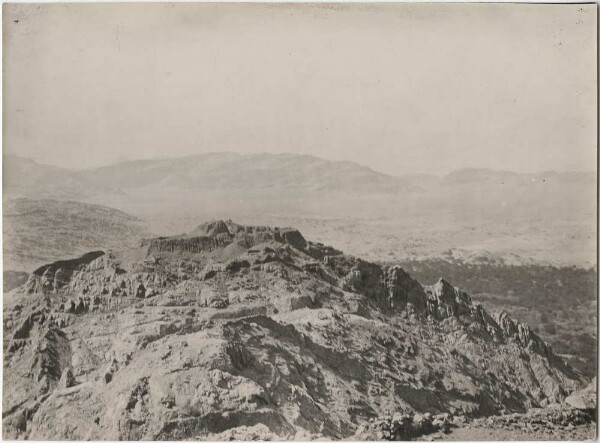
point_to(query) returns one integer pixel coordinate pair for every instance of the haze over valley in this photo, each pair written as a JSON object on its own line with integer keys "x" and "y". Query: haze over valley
{"x": 509, "y": 216}
{"x": 300, "y": 221}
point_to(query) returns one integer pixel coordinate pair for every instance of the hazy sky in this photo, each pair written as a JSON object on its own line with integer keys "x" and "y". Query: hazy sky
{"x": 399, "y": 88}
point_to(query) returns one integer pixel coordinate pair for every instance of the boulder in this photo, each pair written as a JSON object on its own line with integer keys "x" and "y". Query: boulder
{"x": 584, "y": 399}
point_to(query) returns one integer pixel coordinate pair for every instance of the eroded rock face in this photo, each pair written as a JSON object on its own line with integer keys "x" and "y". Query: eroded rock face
{"x": 403, "y": 289}
{"x": 445, "y": 301}
{"x": 50, "y": 278}
{"x": 236, "y": 330}
{"x": 220, "y": 234}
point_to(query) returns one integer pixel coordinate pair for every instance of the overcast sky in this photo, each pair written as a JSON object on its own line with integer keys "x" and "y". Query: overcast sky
{"x": 400, "y": 88}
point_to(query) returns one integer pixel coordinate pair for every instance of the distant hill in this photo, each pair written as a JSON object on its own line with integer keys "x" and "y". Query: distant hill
{"x": 203, "y": 172}
{"x": 13, "y": 279}
{"x": 494, "y": 195}
{"x": 473, "y": 176}
{"x": 24, "y": 177}
{"x": 39, "y": 231}
{"x": 416, "y": 215}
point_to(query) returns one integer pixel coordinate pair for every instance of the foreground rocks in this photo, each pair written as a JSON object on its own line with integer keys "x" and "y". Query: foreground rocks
{"x": 584, "y": 399}
{"x": 556, "y": 422}
{"x": 402, "y": 427}
{"x": 254, "y": 332}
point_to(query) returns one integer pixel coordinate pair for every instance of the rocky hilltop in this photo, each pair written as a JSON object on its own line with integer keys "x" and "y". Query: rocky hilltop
{"x": 240, "y": 332}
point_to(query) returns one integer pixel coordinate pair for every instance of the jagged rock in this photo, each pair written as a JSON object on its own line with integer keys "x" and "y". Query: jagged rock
{"x": 374, "y": 339}
{"x": 23, "y": 330}
{"x": 294, "y": 238}
{"x": 50, "y": 278}
{"x": 402, "y": 289}
{"x": 446, "y": 301}
{"x": 402, "y": 427}
{"x": 67, "y": 379}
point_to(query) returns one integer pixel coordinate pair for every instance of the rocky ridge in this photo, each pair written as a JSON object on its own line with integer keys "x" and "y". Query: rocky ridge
{"x": 234, "y": 330}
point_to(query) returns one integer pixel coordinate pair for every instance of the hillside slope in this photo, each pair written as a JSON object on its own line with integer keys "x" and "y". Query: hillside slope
{"x": 559, "y": 303}
{"x": 24, "y": 177}
{"x": 40, "y": 231}
{"x": 254, "y": 332}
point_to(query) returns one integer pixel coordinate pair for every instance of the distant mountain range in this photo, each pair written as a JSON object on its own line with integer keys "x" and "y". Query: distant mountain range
{"x": 205, "y": 172}
{"x": 228, "y": 171}
{"x": 548, "y": 216}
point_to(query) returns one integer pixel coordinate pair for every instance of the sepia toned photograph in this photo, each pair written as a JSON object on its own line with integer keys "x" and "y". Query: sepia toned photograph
{"x": 299, "y": 221}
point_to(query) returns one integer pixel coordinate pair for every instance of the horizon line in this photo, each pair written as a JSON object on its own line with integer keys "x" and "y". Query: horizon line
{"x": 181, "y": 157}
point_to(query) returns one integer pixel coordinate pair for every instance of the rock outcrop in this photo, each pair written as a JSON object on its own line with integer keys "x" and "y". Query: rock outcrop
{"x": 234, "y": 330}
